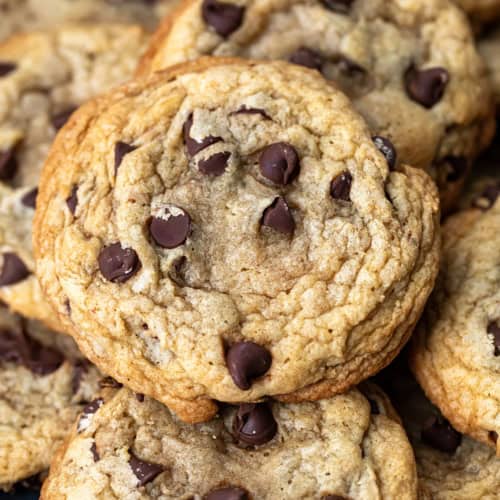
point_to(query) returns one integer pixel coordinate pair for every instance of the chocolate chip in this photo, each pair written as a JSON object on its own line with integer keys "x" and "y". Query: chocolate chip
{"x": 214, "y": 165}
{"x": 279, "y": 162}
{"x": 8, "y": 164}
{"x": 333, "y": 497}
{"x": 109, "y": 382}
{"x": 171, "y": 230}
{"x": 222, "y": 16}
{"x": 72, "y": 199}
{"x": 95, "y": 453}
{"x": 59, "y": 120}
{"x": 229, "y": 493}
{"x": 144, "y": 471}
{"x": 254, "y": 424}
{"x": 438, "y": 433}
{"x": 340, "y": 187}
{"x": 426, "y": 86}
{"x": 488, "y": 197}
{"x": 340, "y": 6}
{"x": 79, "y": 370}
{"x": 192, "y": 145}
{"x": 251, "y": 111}
{"x": 139, "y": 397}
{"x": 6, "y": 68}
{"x": 122, "y": 149}
{"x": 20, "y": 348}
{"x": 493, "y": 436}
{"x": 307, "y": 57}
{"x": 118, "y": 264}
{"x": 456, "y": 166}
{"x": 29, "y": 198}
{"x": 278, "y": 216}
{"x": 386, "y": 147}
{"x": 373, "y": 407}
{"x": 13, "y": 270}
{"x": 87, "y": 412}
{"x": 494, "y": 330}
{"x": 247, "y": 361}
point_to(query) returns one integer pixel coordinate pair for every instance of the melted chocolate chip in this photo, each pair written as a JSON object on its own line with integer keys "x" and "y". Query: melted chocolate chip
{"x": 488, "y": 197}
{"x": 307, "y": 57}
{"x": 6, "y": 68}
{"x": 251, "y": 111}
{"x": 340, "y": 6}
{"x": 79, "y": 370}
{"x": 13, "y": 270}
{"x": 278, "y": 216}
{"x": 386, "y": 147}
{"x": 122, "y": 149}
{"x": 59, "y": 120}
{"x": 8, "y": 164}
{"x": 279, "y": 162}
{"x": 95, "y": 453}
{"x": 228, "y": 493}
{"x": 87, "y": 412}
{"x": 438, "y": 433}
{"x": 29, "y": 198}
{"x": 493, "y": 436}
{"x": 456, "y": 165}
{"x": 333, "y": 497}
{"x": 171, "y": 230}
{"x": 494, "y": 330}
{"x": 192, "y": 145}
{"x": 20, "y": 348}
{"x": 426, "y": 86}
{"x": 340, "y": 187}
{"x": 254, "y": 424}
{"x": 118, "y": 264}
{"x": 109, "y": 382}
{"x": 247, "y": 361}
{"x": 140, "y": 397}
{"x": 223, "y": 17}
{"x": 72, "y": 199}
{"x": 214, "y": 165}
{"x": 145, "y": 472}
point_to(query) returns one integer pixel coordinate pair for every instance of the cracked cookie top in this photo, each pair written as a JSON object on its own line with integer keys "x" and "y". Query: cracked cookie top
{"x": 230, "y": 230}
{"x": 456, "y": 353}
{"x": 44, "y": 77}
{"x": 411, "y": 67}
{"x": 351, "y": 446}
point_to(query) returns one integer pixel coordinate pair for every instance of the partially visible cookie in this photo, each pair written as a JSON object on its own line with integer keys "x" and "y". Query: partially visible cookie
{"x": 229, "y": 230}
{"x": 44, "y": 77}
{"x": 489, "y": 47}
{"x": 29, "y": 15}
{"x": 456, "y": 349}
{"x": 44, "y": 383}
{"x": 411, "y": 67}
{"x": 133, "y": 447}
{"x": 483, "y": 11}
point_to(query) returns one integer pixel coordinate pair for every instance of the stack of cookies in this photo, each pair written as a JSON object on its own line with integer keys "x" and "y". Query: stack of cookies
{"x": 216, "y": 239}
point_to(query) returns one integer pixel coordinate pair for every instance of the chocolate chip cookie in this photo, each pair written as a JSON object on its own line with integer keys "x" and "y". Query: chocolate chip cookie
{"x": 230, "y": 230}
{"x": 44, "y": 383}
{"x": 44, "y": 76}
{"x": 411, "y": 68}
{"x": 27, "y": 15}
{"x": 133, "y": 447}
{"x": 456, "y": 353}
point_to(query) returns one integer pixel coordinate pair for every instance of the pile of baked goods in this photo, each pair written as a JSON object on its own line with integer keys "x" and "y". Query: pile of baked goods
{"x": 221, "y": 221}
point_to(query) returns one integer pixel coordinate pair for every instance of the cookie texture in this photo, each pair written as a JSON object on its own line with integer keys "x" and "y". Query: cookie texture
{"x": 222, "y": 234}
{"x": 44, "y": 77}
{"x": 456, "y": 353}
{"x": 345, "y": 447}
{"x": 44, "y": 384}
{"x": 411, "y": 67}
{"x": 450, "y": 466}
{"x": 29, "y": 15}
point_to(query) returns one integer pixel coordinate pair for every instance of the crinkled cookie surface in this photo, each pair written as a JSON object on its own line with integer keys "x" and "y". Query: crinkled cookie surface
{"x": 216, "y": 233}
{"x": 133, "y": 447}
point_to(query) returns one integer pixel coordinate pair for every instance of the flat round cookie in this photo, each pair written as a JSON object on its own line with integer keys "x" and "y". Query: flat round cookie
{"x": 411, "y": 68}
{"x": 450, "y": 466}
{"x": 219, "y": 233}
{"x": 44, "y": 76}
{"x": 338, "y": 449}
{"x": 28, "y": 15}
{"x": 44, "y": 384}
{"x": 456, "y": 352}
{"x": 483, "y": 11}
